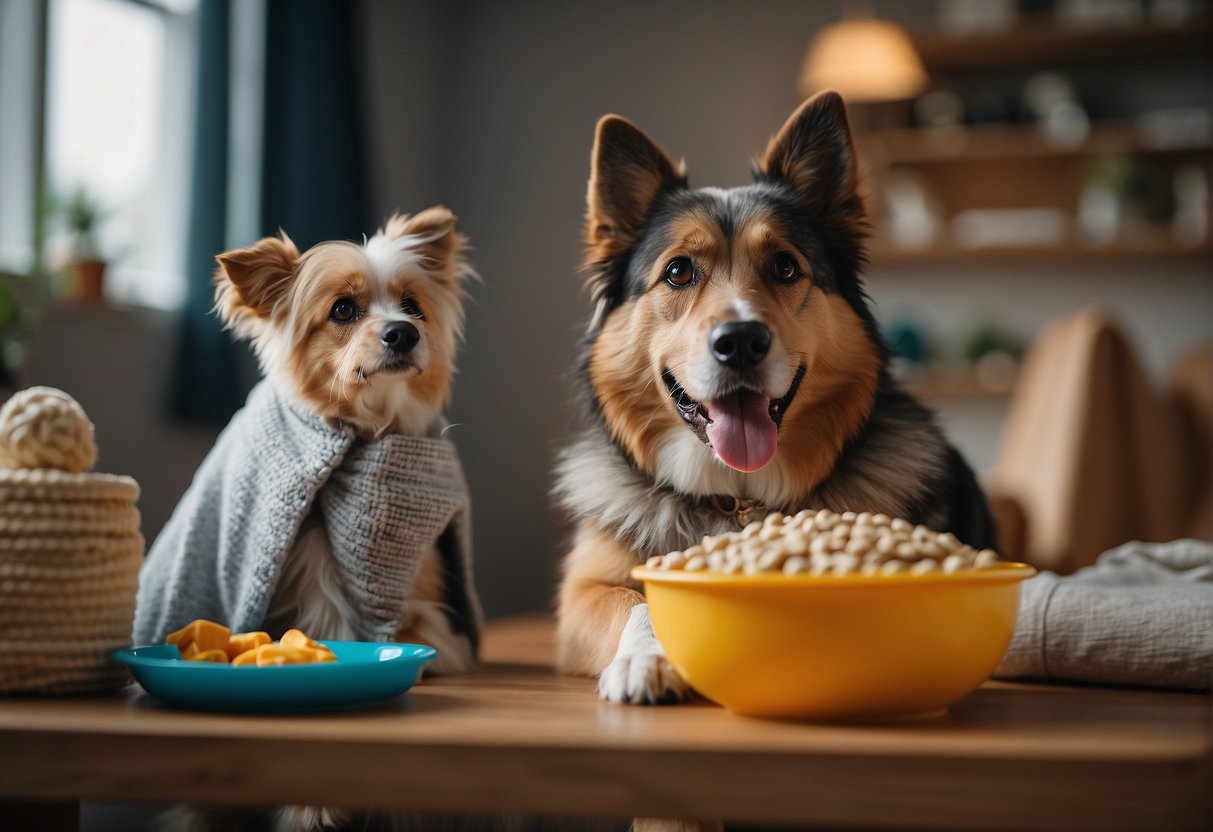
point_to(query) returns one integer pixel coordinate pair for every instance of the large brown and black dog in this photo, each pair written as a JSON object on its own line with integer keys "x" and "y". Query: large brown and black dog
{"x": 732, "y": 367}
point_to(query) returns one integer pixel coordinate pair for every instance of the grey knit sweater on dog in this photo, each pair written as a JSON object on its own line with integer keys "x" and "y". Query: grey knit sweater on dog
{"x": 384, "y": 503}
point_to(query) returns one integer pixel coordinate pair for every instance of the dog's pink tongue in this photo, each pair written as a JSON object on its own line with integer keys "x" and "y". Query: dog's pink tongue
{"x": 741, "y": 430}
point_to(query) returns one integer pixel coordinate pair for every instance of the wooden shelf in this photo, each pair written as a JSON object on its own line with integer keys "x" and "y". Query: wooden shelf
{"x": 966, "y": 389}
{"x": 915, "y": 146}
{"x": 883, "y": 252}
{"x": 1010, "y": 167}
{"x": 1047, "y": 42}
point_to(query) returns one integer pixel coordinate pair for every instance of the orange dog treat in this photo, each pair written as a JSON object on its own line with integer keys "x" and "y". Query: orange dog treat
{"x": 207, "y": 641}
{"x": 216, "y": 655}
{"x": 206, "y": 634}
{"x": 273, "y": 655}
{"x": 241, "y": 643}
{"x": 296, "y": 638}
{"x": 246, "y": 659}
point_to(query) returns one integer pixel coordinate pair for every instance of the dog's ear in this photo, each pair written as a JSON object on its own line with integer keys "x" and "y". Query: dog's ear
{"x": 438, "y": 242}
{"x": 814, "y": 154}
{"x": 252, "y": 280}
{"x": 627, "y": 172}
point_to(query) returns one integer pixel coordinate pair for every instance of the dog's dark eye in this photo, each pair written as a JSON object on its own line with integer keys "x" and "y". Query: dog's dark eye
{"x": 679, "y": 272}
{"x": 344, "y": 311}
{"x": 785, "y": 268}
{"x": 409, "y": 307}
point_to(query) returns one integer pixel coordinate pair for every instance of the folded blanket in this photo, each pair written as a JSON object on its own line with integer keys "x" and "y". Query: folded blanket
{"x": 384, "y": 503}
{"x": 1141, "y": 615}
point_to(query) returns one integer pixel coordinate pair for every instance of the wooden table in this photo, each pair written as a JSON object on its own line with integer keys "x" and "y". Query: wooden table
{"x": 514, "y": 737}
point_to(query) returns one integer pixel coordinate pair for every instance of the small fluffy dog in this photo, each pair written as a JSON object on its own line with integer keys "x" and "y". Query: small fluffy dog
{"x": 364, "y": 335}
{"x": 732, "y": 367}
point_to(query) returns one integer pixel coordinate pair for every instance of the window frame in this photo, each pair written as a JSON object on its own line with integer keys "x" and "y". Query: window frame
{"x": 25, "y": 31}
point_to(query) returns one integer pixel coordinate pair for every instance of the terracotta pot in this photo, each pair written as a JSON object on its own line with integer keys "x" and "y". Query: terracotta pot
{"x": 90, "y": 280}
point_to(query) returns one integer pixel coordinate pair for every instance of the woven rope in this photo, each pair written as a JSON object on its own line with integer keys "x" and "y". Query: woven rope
{"x": 91, "y": 679}
{"x": 47, "y": 484}
{"x": 99, "y": 510}
{"x": 45, "y": 428}
{"x": 46, "y": 608}
{"x": 118, "y": 523}
{"x": 32, "y": 591}
{"x": 59, "y": 623}
{"x": 32, "y": 588}
{"x": 28, "y": 676}
{"x": 61, "y": 667}
{"x": 61, "y": 590}
{"x": 101, "y": 620}
{"x": 65, "y": 570}
{"x": 107, "y": 626}
{"x": 70, "y": 551}
{"x": 31, "y": 608}
{"x": 85, "y": 547}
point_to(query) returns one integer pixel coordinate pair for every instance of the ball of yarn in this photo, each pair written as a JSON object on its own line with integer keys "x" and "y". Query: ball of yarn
{"x": 46, "y": 428}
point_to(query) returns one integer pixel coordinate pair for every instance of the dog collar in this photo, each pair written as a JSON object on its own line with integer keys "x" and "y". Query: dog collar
{"x": 740, "y": 509}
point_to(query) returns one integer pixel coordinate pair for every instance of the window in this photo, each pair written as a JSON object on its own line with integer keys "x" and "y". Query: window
{"x": 116, "y": 98}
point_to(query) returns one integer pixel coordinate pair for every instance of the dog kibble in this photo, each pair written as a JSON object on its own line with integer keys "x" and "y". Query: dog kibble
{"x": 858, "y": 545}
{"x": 772, "y": 559}
{"x": 795, "y": 543}
{"x": 954, "y": 563}
{"x": 828, "y": 543}
{"x": 794, "y": 566}
{"x": 985, "y": 559}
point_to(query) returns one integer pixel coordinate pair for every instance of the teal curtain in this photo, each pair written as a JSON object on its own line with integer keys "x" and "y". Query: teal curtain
{"x": 211, "y": 374}
{"x": 313, "y": 184}
{"x": 314, "y": 168}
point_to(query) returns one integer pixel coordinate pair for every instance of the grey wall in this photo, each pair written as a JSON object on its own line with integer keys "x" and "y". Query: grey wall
{"x": 490, "y": 107}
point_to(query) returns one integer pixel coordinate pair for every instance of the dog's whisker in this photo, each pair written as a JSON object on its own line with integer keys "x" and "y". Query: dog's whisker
{"x": 344, "y": 368}
{"x": 635, "y": 401}
{"x": 652, "y": 416}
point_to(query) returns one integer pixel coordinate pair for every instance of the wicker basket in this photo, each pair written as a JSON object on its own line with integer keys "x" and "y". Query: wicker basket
{"x": 70, "y": 552}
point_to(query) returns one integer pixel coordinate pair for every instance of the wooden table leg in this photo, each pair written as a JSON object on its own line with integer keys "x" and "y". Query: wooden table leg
{"x": 29, "y": 816}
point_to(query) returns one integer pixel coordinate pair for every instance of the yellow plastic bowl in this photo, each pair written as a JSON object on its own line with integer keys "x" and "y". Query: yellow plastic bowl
{"x": 853, "y": 647}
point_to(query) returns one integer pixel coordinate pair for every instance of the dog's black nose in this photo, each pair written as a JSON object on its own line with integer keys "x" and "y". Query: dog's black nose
{"x": 740, "y": 344}
{"x": 399, "y": 336}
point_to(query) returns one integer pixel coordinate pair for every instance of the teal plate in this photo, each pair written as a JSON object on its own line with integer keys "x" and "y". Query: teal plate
{"x": 364, "y": 674}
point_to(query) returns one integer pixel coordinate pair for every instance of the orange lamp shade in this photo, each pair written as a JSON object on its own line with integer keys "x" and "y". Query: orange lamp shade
{"x": 864, "y": 60}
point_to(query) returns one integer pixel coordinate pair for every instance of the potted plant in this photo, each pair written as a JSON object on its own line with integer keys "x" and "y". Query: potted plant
{"x": 80, "y": 213}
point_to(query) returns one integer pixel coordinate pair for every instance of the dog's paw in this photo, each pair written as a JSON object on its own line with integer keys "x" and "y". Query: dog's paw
{"x": 642, "y": 678}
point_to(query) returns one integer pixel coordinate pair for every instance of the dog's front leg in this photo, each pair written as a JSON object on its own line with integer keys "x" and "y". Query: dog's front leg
{"x": 603, "y": 625}
{"x": 639, "y": 673}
